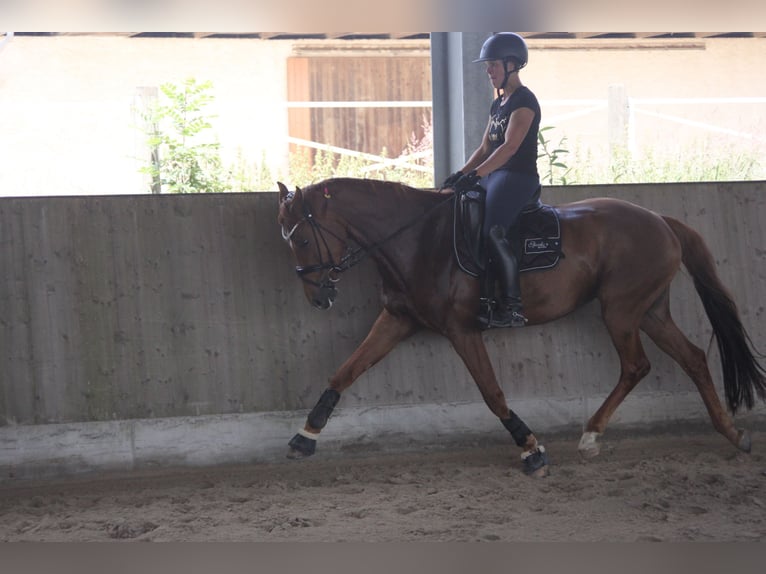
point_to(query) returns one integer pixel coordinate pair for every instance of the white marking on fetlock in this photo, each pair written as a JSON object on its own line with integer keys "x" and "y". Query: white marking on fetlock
{"x": 308, "y": 434}
{"x": 589, "y": 446}
{"x": 744, "y": 443}
{"x": 528, "y": 453}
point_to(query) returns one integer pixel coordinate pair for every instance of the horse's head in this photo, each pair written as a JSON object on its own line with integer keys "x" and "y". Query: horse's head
{"x": 317, "y": 241}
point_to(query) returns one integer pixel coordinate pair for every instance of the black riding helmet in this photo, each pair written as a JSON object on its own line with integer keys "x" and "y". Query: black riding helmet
{"x": 505, "y": 46}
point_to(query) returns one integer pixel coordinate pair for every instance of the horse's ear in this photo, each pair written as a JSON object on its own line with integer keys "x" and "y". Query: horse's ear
{"x": 291, "y": 200}
{"x": 297, "y": 198}
{"x": 283, "y": 192}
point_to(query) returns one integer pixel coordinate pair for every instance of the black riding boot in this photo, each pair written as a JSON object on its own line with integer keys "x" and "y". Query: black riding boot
{"x": 508, "y": 312}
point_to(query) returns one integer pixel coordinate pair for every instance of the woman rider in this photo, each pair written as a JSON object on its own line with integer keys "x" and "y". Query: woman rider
{"x": 505, "y": 164}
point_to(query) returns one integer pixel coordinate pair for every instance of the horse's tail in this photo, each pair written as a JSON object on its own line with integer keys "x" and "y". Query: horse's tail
{"x": 742, "y": 375}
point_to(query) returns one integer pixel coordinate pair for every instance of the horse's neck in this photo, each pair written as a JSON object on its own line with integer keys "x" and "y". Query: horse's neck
{"x": 394, "y": 231}
{"x": 375, "y": 221}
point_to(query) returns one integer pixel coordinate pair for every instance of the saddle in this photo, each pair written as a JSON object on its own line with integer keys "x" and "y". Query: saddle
{"x": 536, "y": 238}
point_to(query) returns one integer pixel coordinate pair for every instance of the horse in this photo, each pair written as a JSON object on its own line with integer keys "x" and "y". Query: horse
{"x": 619, "y": 253}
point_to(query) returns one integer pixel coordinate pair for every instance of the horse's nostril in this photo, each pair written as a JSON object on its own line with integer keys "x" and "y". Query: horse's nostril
{"x": 327, "y": 294}
{"x": 321, "y": 301}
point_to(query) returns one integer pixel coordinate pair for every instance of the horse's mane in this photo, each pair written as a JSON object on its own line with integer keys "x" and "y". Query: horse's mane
{"x": 374, "y": 204}
{"x": 395, "y": 190}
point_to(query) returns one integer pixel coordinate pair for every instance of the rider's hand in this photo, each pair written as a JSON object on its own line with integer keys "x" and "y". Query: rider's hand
{"x": 466, "y": 182}
{"x": 452, "y": 179}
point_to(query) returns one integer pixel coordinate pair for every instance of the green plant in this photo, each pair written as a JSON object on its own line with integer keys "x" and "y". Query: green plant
{"x": 251, "y": 175}
{"x": 185, "y": 157}
{"x": 689, "y": 163}
{"x": 555, "y": 171}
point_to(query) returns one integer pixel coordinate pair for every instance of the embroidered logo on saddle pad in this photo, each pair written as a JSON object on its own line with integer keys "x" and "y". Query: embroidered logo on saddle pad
{"x": 541, "y": 238}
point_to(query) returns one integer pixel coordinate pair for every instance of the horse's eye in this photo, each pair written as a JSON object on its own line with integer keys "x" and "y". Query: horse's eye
{"x": 303, "y": 242}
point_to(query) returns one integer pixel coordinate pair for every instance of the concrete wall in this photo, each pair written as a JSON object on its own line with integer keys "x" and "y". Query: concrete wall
{"x": 141, "y": 330}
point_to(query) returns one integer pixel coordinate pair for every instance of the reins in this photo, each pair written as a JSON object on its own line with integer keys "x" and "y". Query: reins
{"x": 357, "y": 255}
{"x": 347, "y": 261}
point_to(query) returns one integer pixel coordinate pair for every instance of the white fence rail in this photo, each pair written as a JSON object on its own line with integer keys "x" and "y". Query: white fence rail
{"x": 377, "y": 161}
{"x": 634, "y": 107}
{"x": 623, "y": 113}
{"x": 362, "y": 104}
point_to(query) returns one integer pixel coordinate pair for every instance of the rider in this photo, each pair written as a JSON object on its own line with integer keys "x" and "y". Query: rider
{"x": 505, "y": 164}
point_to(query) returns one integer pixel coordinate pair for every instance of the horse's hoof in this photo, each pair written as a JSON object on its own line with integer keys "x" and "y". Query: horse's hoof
{"x": 541, "y": 472}
{"x": 743, "y": 441}
{"x": 589, "y": 447}
{"x": 301, "y": 447}
{"x": 295, "y": 454}
{"x": 536, "y": 462}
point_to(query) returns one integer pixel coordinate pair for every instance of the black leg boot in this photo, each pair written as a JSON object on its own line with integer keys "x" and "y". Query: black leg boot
{"x": 509, "y": 310}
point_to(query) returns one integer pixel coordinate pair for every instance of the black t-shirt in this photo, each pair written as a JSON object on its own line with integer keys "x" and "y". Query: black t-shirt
{"x": 525, "y": 159}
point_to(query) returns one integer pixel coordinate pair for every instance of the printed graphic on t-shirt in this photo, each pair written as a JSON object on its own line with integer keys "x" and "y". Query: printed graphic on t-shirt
{"x": 497, "y": 128}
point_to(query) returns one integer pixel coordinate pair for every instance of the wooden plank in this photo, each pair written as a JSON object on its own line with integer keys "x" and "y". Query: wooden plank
{"x": 298, "y": 119}
{"x": 372, "y": 78}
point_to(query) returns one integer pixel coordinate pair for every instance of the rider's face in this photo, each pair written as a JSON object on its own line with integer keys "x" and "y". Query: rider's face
{"x": 496, "y": 72}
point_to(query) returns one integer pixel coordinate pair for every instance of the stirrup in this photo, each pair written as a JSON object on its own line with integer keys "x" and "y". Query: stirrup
{"x": 516, "y": 319}
{"x": 488, "y": 316}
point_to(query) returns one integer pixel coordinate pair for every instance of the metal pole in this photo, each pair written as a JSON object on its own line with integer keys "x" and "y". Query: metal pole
{"x": 461, "y": 97}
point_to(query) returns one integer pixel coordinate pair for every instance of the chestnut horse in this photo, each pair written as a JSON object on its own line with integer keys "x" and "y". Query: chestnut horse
{"x": 617, "y": 252}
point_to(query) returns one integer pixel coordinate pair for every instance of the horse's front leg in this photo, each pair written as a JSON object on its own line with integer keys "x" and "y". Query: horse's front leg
{"x": 470, "y": 347}
{"x": 387, "y": 331}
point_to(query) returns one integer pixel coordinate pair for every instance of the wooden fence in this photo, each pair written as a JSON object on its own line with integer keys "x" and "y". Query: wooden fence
{"x": 374, "y": 105}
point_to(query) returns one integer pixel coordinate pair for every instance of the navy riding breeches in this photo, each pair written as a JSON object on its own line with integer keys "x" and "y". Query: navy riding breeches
{"x": 508, "y": 192}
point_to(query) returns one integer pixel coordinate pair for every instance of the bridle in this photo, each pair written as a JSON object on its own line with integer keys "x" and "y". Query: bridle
{"x": 326, "y": 282}
{"x": 330, "y": 269}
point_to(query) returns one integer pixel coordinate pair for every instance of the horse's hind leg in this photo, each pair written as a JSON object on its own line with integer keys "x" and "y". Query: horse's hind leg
{"x": 659, "y": 325}
{"x": 634, "y": 366}
{"x": 387, "y": 331}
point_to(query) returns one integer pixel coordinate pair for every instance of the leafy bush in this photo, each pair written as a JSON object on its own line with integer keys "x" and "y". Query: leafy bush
{"x": 185, "y": 158}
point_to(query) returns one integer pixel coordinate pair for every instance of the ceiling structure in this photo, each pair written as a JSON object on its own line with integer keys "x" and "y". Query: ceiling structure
{"x": 402, "y": 36}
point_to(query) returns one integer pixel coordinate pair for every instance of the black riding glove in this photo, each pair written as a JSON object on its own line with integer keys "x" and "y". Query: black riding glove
{"x": 466, "y": 182}
{"x": 452, "y": 179}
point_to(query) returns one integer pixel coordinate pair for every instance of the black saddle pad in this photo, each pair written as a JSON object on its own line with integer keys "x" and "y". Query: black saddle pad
{"x": 541, "y": 238}
{"x": 540, "y": 232}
